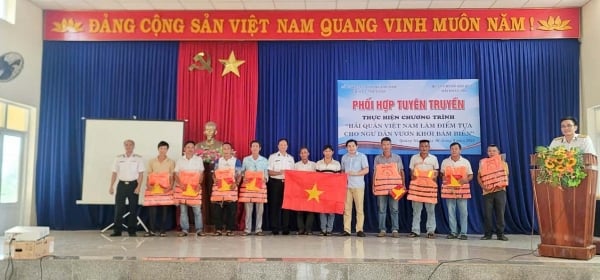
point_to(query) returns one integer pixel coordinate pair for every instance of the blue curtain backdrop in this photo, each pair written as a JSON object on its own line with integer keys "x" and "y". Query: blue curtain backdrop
{"x": 526, "y": 86}
{"x": 115, "y": 80}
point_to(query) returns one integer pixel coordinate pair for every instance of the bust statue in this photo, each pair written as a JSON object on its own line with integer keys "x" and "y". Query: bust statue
{"x": 210, "y": 150}
{"x": 210, "y": 143}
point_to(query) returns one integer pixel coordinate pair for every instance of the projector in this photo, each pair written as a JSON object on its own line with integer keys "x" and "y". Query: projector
{"x": 24, "y": 233}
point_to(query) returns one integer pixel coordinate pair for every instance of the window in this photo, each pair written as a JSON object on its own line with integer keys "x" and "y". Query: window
{"x": 14, "y": 124}
{"x": 17, "y": 118}
{"x": 10, "y": 176}
{"x": 8, "y": 10}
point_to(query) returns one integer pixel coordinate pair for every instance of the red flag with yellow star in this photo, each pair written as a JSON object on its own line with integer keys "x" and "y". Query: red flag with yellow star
{"x": 315, "y": 191}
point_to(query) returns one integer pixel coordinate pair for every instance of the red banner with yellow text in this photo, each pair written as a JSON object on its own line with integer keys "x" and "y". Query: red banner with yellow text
{"x": 312, "y": 25}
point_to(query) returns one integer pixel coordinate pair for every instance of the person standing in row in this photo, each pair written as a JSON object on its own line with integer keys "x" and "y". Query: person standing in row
{"x": 128, "y": 168}
{"x": 328, "y": 164}
{"x": 389, "y": 173}
{"x": 253, "y": 191}
{"x": 159, "y": 185}
{"x": 224, "y": 196}
{"x": 279, "y": 162}
{"x": 189, "y": 174}
{"x": 356, "y": 166}
{"x": 423, "y": 189}
{"x": 305, "y": 219}
{"x": 456, "y": 189}
{"x": 493, "y": 179}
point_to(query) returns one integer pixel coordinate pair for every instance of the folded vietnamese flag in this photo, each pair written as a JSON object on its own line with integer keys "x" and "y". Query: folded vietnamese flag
{"x": 315, "y": 191}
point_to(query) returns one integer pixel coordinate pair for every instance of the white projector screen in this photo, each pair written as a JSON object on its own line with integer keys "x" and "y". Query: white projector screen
{"x": 104, "y": 141}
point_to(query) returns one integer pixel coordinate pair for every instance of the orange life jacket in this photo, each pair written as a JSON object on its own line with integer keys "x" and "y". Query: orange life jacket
{"x": 423, "y": 188}
{"x": 493, "y": 174}
{"x": 253, "y": 188}
{"x": 224, "y": 188}
{"x": 386, "y": 178}
{"x": 188, "y": 191}
{"x": 453, "y": 189}
{"x": 159, "y": 192}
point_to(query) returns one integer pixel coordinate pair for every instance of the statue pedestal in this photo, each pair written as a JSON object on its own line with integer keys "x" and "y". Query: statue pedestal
{"x": 207, "y": 219}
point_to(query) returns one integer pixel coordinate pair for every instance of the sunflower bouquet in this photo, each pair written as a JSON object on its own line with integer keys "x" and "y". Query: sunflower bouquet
{"x": 560, "y": 166}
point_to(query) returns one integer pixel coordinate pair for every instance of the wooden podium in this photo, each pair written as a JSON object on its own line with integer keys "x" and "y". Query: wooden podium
{"x": 597, "y": 226}
{"x": 566, "y": 215}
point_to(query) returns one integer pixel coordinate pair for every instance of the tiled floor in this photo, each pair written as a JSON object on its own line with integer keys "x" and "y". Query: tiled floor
{"x": 93, "y": 244}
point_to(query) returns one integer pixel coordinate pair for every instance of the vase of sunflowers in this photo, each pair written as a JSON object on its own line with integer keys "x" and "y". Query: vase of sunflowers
{"x": 564, "y": 185}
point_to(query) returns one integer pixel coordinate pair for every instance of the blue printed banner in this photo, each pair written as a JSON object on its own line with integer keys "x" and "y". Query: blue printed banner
{"x": 441, "y": 111}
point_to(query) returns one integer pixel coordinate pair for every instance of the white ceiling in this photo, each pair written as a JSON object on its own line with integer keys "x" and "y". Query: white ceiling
{"x": 297, "y": 4}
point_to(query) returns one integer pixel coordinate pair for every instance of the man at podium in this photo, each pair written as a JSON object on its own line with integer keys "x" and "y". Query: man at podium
{"x": 570, "y": 139}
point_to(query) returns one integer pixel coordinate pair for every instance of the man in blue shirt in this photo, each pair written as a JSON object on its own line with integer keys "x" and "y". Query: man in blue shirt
{"x": 255, "y": 162}
{"x": 356, "y": 166}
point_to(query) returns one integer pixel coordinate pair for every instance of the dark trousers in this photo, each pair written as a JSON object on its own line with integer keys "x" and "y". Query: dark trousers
{"x": 494, "y": 203}
{"x": 153, "y": 213}
{"x": 280, "y": 218}
{"x": 125, "y": 191}
{"x": 305, "y": 221}
{"x": 223, "y": 214}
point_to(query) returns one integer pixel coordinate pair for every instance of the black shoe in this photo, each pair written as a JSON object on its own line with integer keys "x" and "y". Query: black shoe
{"x": 486, "y": 237}
{"x": 451, "y": 236}
{"x": 149, "y": 234}
{"x": 502, "y": 237}
{"x": 463, "y": 237}
{"x": 300, "y": 232}
{"x": 115, "y": 234}
{"x": 346, "y": 233}
{"x": 286, "y": 232}
{"x": 275, "y": 232}
{"x": 412, "y": 235}
{"x": 132, "y": 234}
{"x": 360, "y": 234}
{"x": 323, "y": 233}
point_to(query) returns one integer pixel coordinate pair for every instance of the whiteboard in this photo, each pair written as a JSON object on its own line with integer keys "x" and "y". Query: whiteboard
{"x": 104, "y": 141}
